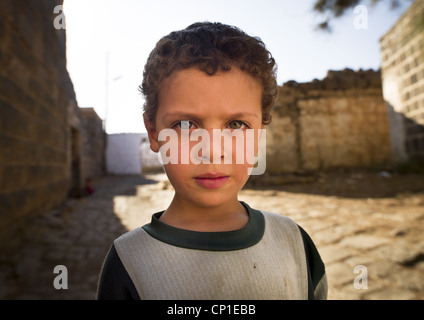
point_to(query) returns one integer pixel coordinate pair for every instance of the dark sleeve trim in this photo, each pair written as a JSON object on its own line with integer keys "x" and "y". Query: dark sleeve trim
{"x": 115, "y": 282}
{"x": 315, "y": 266}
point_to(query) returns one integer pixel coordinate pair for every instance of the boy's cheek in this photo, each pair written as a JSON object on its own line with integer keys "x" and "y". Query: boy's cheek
{"x": 174, "y": 153}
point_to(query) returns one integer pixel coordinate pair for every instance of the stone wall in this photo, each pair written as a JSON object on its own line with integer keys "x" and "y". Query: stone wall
{"x": 35, "y": 91}
{"x": 42, "y": 131}
{"x": 93, "y": 144}
{"x": 402, "y": 55}
{"x": 340, "y": 121}
{"x": 86, "y": 143}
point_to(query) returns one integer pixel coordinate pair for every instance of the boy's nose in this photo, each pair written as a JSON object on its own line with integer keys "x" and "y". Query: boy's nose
{"x": 212, "y": 148}
{"x": 221, "y": 146}
{"x": 215, "y": 153}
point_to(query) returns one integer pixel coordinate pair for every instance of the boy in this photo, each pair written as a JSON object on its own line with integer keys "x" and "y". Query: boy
{"x": 207, "y": 244}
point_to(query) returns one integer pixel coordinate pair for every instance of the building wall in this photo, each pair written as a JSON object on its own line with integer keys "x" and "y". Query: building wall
{"x": 402, "y": 54}
{"x": 123, "y": 153}
{"x": 93, "y": 144}
{"x": 35, "y": 90}
{"x": 44, "y": 137}
{"x": 130, "y": 153}
{"x": 340, "y": 121}
{"x": 86, "y": 141}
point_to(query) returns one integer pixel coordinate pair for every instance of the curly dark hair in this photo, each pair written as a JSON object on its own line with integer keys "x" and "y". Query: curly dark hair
{"x": 211, "y": 47}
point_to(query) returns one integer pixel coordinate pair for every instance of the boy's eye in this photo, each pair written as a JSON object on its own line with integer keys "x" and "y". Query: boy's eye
{"x": 185, "y": 124}
{"x": 236, "y": 125}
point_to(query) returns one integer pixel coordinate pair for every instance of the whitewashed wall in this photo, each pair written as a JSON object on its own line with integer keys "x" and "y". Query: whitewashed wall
{"x": 128, "y": 153}
{"x": 123, "y": 153}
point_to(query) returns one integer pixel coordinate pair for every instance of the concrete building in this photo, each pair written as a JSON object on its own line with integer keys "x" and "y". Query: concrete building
{"x": 402, "y": 55}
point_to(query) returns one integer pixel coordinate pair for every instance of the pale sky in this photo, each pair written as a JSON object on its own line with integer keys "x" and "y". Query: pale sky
{"x": 127, "y": 30}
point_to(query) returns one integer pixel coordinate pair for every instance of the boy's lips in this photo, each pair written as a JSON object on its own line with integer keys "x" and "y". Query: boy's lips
{"x": 212, "y": 180}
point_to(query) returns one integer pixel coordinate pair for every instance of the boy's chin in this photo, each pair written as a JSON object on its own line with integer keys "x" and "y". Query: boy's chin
{"x": 211, "y": 199}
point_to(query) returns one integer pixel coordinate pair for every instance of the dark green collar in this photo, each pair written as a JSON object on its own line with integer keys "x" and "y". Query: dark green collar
{"x": 243, "y": 238}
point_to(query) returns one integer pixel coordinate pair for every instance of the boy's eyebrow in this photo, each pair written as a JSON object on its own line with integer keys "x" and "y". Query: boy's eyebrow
{"x": 180, "y": 115}
{"x": 243, "y": 114}
{"x": 186, "y": 115}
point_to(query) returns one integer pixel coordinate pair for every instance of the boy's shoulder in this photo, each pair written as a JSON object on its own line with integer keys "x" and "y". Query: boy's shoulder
{"x": 283, "y": 231}
{"x": 278, "y": 218}
{"x": 278, "y": 223}
{"x": 131, "y": 238}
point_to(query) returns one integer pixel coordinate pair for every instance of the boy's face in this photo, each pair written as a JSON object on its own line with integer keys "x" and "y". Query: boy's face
{"x": 190, "y": 99}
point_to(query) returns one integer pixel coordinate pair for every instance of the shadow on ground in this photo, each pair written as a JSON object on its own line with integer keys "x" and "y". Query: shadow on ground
{"x": 357, "y": 183}
{"x": 76, "y": 235}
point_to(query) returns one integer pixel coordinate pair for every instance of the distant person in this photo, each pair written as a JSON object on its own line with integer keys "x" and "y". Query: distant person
{"x": 89, "y": 190}
{"x": 207, "y": 244}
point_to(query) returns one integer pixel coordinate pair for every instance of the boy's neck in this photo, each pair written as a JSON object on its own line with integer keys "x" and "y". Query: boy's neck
{"x": 224, "y": 217}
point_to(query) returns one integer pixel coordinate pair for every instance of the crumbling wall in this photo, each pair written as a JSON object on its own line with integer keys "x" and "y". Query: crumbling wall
{"x": 340, "y": 121}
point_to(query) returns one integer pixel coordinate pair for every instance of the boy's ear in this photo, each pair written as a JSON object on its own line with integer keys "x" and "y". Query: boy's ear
{"x": 151, "y": 132}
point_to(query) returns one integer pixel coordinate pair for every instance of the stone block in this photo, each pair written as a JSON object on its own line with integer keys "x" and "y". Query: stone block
{"x": 402, "y": 252}
{"x": 390, "y": 294}
{"x": 3, "y": 31}
{"x": 12, "y": 179}
{"x": 13, "y": 150}
{"x": 13, "y": 121}
{"x": 334, "y": 253}
{"x": 364, "y": 241}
